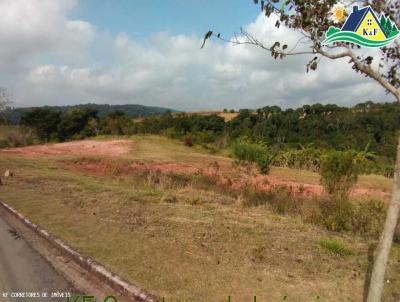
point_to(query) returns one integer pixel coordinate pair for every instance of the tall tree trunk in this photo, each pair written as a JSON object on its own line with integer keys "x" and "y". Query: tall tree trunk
{"x": 386, "y": 239}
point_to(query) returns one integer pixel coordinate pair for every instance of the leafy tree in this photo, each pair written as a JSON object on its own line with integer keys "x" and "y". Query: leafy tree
{"x": 312, "y": 19}
{"x": 339, "y": 173}
{"x": 252, "y": 153}
{"x": 43, "y": 120}
{"x": 75, "y": 123}
{"x": 116, "y": 123}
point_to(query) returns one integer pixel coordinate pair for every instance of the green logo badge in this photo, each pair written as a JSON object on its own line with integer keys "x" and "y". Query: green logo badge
{"x": 363, "y": 28}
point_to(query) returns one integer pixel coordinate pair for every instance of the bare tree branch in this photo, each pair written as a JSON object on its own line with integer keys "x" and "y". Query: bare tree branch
{"x": 5, "y": 99}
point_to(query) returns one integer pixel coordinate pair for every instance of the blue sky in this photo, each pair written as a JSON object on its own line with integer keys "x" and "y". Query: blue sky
{"x": 148, "y": 52}
{"x": 143, "y": 17}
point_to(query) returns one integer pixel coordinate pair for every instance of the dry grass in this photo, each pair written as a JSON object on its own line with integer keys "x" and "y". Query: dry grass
{"x": 185, "y": 243}
{"x": 16, "y": 136}
{"x": 159, "y": 148}
{"x": 373, "y": 182}
{"x": 227, "y": 116}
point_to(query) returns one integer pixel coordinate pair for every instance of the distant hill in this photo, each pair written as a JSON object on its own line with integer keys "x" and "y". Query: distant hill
{"x": 134, "y": 111}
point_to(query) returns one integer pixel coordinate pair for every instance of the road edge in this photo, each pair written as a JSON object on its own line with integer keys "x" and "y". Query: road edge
{"x": 129, "y": 291}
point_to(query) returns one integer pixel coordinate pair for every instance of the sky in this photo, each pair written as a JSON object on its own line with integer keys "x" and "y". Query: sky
{"x": 63, "y": 52}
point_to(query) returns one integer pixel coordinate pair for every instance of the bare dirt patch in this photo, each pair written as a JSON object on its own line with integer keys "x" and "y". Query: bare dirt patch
{"x": 270, "y": 182}
{"x": 103, "y": 167}
{"x": 81, "y": 148}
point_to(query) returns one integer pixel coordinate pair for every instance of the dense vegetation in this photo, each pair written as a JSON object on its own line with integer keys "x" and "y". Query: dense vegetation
{"x": 14, "y": 115}
{"x": 296, "y": 138}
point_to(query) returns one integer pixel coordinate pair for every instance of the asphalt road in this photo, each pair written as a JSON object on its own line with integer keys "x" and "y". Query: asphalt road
{"x": 22, "y": 270}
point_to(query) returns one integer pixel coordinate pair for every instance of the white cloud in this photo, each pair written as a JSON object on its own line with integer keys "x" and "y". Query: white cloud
{"x": 47, "y": 59}
{"x": 34, "y": 28}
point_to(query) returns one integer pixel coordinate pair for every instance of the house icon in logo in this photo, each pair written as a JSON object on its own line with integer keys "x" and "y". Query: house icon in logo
{"x": 365, "y": 23}
{"x": 364, "y": 28}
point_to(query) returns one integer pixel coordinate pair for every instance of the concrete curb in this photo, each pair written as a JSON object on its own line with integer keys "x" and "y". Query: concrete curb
{"x": 126, "y": 289}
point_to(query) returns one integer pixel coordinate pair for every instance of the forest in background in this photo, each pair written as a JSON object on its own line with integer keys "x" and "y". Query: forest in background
{"x": 13, "y": 115}
{"x": 296, "y": 138}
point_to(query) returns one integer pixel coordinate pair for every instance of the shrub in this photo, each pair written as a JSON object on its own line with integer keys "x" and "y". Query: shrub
{"x": 204, "y": 137}
{"x": 339, "y": 173}
{"x": 172, "y": 133}
{"x": 116, "y": 123}
{"x": 74, "y": 123}
{"x": 279, "y": 199}
{"x": 306, "y": 158}
{"x": 221, "y": 142}
{"x": 369, "y": 217}
{"x": 188, "y": 140}
{"x": 16, "y": 136}
{"x": 337, "y": 215}
{"x": 254, "y": 198}
{"x": 263, "y": 164}
{"x": 251, "y": 153}
{"x": 335, "y": 246}
{"x": 43, "y": 120}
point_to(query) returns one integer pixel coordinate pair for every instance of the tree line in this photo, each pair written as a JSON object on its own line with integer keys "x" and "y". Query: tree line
{"x": 296, "y": 137}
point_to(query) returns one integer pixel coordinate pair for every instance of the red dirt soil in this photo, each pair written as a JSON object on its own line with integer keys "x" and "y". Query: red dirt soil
{"x": 84, "y": 148}
{"x": 241, "y": 180}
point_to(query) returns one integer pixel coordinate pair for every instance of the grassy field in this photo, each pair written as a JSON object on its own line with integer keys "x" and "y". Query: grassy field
{"x": 184, "y": 243}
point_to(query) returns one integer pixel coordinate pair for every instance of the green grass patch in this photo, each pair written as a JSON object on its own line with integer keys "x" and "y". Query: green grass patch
{"x": 335, "y": 246}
